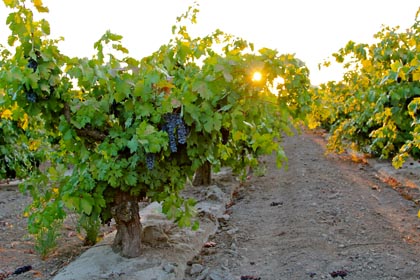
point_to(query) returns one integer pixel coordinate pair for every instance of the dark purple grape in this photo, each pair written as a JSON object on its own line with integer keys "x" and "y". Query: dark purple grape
{"x": 170, "y": 127}
{"x": 182, "y": 130}
{"x": 32, "y": 64}
{"x": 31, "y": 96}
{"x": 150, "y": 161}
{"x": 176, "y": 129}
{"x": 172, "y": 143}
{"x": 182, "y": 136}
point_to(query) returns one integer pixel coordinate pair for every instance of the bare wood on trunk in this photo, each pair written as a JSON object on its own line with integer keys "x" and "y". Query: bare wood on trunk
{"x": 125, "y": 212}
{"x": 202, "y": 176}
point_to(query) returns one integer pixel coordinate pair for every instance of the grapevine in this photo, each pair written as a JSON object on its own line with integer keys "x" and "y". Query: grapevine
{"x": 126, "y": 129}
{"x": 373, "y": 108}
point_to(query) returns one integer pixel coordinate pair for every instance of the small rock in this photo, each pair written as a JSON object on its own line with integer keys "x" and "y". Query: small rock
{"x": 226, "y": 217}
{"x": 232, "y": 231}
{"x": 216, "y": 194}
{"x": 169, "y": 268}
{"x": 215, "y": 276}
{"x": 154, "y": 235}
{"x": 196, "y": 269}
{"x": 333, "y": 196}
{"x": 203, "y": 275}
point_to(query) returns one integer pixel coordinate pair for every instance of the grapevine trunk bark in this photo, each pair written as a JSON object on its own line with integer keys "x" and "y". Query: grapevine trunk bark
{"x": 125, "y": 212}
{"x": 202, "y": 176}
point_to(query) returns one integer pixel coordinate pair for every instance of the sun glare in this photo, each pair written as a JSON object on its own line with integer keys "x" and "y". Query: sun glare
{"x": 257, "y": 76}
{"x": 277, "y": 86}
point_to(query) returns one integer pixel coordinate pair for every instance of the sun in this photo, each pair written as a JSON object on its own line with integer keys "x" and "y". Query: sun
{"x": 257, "y": 76}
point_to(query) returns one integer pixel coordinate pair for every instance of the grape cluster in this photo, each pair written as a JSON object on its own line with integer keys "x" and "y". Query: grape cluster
{"x": 150, "y": 161}
{"x": 182, "y": 131}
{"x": 176, "y": 129}
{"x": 31, "y": 96}
{"x": 32, "y": 64}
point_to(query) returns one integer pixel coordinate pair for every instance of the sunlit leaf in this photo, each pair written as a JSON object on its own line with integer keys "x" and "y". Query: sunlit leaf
{"x": 40, "y": 7}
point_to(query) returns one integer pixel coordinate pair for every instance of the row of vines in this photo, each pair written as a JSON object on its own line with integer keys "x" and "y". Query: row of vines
{"x": 111, "y": 130}
{"x": 375, "y": 108}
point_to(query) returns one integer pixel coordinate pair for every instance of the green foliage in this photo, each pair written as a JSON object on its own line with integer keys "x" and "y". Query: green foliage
{"x": 91, "y": 224}
{"x": 21, "y": 150}
{"x": 373, "y": 107}
{"x": 110, "y": 114}
{"x": 46, "y": 239}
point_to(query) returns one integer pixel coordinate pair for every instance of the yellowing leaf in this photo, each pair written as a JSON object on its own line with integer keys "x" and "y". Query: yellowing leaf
{"x": 7, "y": 114}
{"x": 34, "y": 145}
{"x": 237, "y": 135}
{"x": 39, "y": 6}
{"x": 396, "y": 66}
{"x": 366, "y": 63}
{"x": 24, "y": 122}
{"x": 412, "y": 42}
{"x": 10, "y": 3}
{"x": 416, "y": 75}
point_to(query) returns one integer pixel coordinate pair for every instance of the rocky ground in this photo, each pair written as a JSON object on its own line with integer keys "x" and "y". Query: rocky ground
{"x": 325, "y": 217}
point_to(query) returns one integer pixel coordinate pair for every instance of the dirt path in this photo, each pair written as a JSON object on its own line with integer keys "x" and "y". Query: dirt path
{"x": 325, "y": 217}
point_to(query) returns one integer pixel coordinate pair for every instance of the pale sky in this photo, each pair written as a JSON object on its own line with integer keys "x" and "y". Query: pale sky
{"x": 311, "y": 29}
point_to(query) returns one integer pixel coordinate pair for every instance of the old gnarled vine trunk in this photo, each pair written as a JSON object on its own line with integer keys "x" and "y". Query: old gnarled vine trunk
{"x": 125, "y": 211}
{"x": 202, "y": 176}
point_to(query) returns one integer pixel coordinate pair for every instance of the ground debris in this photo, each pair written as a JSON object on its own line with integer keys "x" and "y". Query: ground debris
{"x": 248, "y": 277}
{"x": 341, "y": 273}
{"x": 22, "y": 269}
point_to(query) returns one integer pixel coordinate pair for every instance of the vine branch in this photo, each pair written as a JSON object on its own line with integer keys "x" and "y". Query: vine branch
{"x": 84, "y": 132}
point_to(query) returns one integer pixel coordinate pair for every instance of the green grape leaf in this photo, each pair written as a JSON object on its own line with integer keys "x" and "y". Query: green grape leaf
{"x": 86, "y": 206}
